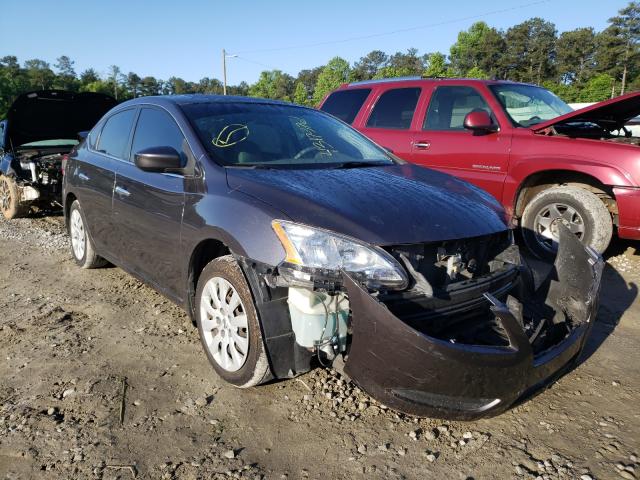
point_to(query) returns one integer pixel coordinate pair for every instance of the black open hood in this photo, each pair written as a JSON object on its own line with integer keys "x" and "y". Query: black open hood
{"x": 54, "y": 114}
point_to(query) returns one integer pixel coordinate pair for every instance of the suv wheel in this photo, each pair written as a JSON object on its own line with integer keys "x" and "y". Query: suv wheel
{"x": 10, "y": 199}
{"x": 581, "y": 211}
{"x": 228, "y": 324}
{"x": 81, "y": 245}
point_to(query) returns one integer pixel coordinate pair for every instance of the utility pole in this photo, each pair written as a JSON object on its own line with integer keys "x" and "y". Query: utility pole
{"x": 224, "y": 72}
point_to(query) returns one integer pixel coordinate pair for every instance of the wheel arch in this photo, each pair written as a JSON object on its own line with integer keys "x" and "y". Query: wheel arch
{"x": 542, "y": 180}
{"x": 205, "y": 251}
{"x": 69, "y": 198}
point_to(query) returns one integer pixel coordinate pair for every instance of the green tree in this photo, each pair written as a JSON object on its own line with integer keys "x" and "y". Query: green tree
{"x": 479, "y": 47}
{"x": 575, "y": 52}
{"x": 66, "y": 77}
{"x": 598, "y": 88}
{"x": 436, "y": 65}
{"x": 241, "y": 89}
{"x": 335, "y": 73}
{"x": 300, "y": 94}
{"x": 530, "y": 51}
{"x": 88, "y": 76}
{"x": 13, "y": 81}
{"x": 627, "y": 27}
{"x": 39, "y": 74}
{"x": 132, "y": 83}
{"x": 273, "y": 84}
{"x": 368, "y": 66}
{"x": 406, "y": 64}
{"x": 149, "y": 86}
{"x": 567, "y": 92}
{"x": 98, "y": 86}
{"x": 114, "y": 79}
{"x": 477, "y": 72}
{"x": 309, "y": 78}
{"x": 210, "y": 86}
{"x": 394, "y": 72}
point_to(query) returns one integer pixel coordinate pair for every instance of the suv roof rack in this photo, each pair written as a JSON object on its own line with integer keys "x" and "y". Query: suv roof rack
{"x": 385, "y": 80}
{"x": 425, "y": 77}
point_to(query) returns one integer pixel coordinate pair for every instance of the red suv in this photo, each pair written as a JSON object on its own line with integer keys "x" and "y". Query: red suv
{"x": 545, "y": 162}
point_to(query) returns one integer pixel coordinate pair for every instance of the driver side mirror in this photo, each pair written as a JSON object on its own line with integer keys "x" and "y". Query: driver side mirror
{"x": 158, "y": 159}
{"x": 479, "y": 122}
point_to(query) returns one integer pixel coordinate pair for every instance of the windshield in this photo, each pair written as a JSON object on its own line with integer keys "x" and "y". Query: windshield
{"x": 279, "y": 136}
{"x": 527, "y": 105}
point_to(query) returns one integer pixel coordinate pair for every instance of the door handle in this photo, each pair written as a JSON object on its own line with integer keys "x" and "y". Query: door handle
{"x": 122, "y": 192}
{"x": 423, "y": 145}
{"x": 83, "y": 177}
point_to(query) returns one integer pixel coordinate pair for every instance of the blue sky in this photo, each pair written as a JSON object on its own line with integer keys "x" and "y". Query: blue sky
{"x": 185, "y": 38}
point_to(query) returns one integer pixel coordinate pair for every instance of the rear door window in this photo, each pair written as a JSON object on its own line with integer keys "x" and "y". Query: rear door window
{"x": 394, "y": 109}
{"x": 114, "y": 138}
{"x": 156, "y": 128}
{"x": 449, "y": 106}
{"x": 345, "y": 104}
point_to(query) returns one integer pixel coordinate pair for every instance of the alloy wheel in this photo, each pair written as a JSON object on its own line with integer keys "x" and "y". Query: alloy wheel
{"x": 5, "y": 195}
{"x": 550, "y": 217}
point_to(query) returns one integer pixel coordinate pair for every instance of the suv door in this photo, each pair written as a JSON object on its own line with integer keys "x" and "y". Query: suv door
{"x": 389, "y": 123}
{"x": 148, "y": 206}
{"x": 92, "y": 173}
{"x": 444, "y": 143}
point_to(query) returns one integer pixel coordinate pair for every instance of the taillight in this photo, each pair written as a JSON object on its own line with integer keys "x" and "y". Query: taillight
{"x": 63, "y": 165}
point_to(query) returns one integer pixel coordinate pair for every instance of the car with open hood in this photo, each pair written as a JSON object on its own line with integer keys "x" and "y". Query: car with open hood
{"x": 40, "y": 129}
{"x": 294, "y": 241}
{"x": 547, "y": 164}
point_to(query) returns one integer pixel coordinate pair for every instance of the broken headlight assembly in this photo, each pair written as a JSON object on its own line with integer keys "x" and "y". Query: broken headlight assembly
{"x": 315, "y": 256}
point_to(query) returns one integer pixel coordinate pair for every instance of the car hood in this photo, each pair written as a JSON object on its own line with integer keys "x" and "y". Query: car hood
{"x": 610, "y": 114}
{"x": 390, "y": 205}
{"x": 54, "y": 114}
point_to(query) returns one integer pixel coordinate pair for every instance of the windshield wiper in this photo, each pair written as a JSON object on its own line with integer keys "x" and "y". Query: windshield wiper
{"x": 252, "y": 166}
{"x": 359, "y": 164}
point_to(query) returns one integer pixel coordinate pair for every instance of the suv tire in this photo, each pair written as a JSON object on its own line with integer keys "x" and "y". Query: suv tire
{"x": 228, "y": 324}
{"x": 580, "y": 210}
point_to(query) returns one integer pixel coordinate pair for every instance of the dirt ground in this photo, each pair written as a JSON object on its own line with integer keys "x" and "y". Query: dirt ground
{"x": 72, "y": 341}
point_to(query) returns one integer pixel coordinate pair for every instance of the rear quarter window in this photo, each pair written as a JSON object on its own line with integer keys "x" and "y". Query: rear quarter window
{"x": 345, "y": 104}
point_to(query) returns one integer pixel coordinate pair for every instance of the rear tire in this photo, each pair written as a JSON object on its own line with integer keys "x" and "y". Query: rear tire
{"x": 10, "y": 199}
{"x": 580, "y": 210}
{"x": 228, "y": 324}
{"x": 82, "y": 248}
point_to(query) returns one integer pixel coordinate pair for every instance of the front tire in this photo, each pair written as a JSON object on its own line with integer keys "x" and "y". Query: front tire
{"x": 82, "y": 248}
{"x": 10, "y": 199}
{"x": 228, "y": 324}
{"x": 581, "y": 211}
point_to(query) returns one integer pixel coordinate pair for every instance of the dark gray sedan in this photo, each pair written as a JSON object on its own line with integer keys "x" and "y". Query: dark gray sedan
{"x": 292, "y": 241}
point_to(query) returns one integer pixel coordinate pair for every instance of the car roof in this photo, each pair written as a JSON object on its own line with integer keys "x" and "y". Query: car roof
{"x": 417, "y": 79}
{"x": 203, "y": 98}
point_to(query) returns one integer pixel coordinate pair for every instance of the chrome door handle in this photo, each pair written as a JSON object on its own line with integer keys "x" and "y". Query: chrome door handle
{"x": 83, "y": 177}
{"x": 122, "y": 192}
{"x": 422, "y": 145}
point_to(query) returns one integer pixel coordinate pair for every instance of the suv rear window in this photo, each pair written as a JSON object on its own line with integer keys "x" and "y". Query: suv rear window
{"x": 345, "y": 104}
{"x": 394, "y": 109}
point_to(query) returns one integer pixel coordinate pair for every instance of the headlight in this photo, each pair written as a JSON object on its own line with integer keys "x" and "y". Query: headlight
{"x": 315, "y": 254}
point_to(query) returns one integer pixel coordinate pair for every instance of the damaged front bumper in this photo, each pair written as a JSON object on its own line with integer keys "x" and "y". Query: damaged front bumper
{"x": 403, "y": 367}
